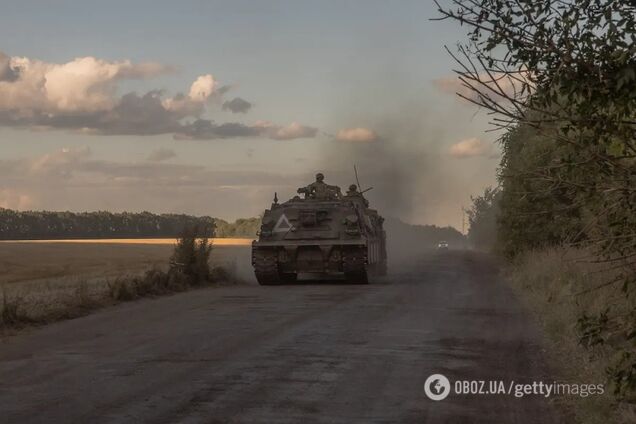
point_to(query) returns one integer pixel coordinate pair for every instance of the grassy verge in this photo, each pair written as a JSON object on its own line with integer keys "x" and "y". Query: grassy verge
{"x": 559, "y": 286}
{"x": 44, "y": 302}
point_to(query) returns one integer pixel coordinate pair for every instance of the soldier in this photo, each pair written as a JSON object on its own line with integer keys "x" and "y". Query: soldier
{"x": 320, "y": 190}
{"x": 355, "y": 194}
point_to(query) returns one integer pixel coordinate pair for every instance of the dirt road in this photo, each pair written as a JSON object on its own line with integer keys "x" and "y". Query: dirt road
{"x": 308, "y": 353}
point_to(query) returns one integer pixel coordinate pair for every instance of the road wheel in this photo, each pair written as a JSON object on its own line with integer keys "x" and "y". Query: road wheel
{"x": 357, "y": 277}
{"x": 267, "y": 278}
{"x": 288, "y": 277}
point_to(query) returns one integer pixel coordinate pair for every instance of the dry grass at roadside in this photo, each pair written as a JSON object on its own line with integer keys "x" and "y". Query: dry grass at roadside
{"x": 557, "y": 285}
{"x": 45, "y": 302}
{"x": 36, "y": 292}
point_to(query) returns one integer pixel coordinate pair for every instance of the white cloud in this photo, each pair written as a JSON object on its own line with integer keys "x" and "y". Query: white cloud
{"x": 84, "y": 84}
{"x": 201, "y": 90}
{"x": 291, "y": 131}
{"x": 7, "y": 73}
{"x": 82, "y": 96}
{"x": 203, "y": 87}
{"x": 470, "y": 147}
{"x": 356, "y": 135}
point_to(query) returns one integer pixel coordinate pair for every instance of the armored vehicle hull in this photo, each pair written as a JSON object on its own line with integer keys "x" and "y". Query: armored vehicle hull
{"x": 324, "y": 236}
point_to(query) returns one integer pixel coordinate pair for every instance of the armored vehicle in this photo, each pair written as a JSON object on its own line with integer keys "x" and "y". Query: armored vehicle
{"x": 324, "y": 232}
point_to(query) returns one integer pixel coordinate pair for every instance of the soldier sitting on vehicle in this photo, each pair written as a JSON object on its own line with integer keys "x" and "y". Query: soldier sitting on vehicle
{"x": 353, "y": 193}
{"x": 320, "y": 190}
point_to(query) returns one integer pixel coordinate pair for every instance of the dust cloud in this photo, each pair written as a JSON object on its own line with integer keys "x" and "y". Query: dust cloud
{"x": 412, "y": 184}
{"x": 407, "y": 166}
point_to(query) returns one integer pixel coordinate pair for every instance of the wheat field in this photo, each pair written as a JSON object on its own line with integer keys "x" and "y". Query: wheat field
{"x": 23, "y": 261}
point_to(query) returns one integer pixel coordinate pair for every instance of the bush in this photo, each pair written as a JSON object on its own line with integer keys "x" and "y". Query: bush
{"x": 120, "y": 290}
{"x": 482, "y": 219}
{"x": 242, "y": 227}
{"x": 191, "y": 257}
{"x": 10, "y": 315}
{"x": 189, "y": 266}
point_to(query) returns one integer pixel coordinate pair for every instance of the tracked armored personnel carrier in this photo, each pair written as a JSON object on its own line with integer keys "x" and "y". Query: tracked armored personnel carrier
{"x": 324, "y": 232}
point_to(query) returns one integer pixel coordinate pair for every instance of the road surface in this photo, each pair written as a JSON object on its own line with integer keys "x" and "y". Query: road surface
{"x": 311, "y": 353}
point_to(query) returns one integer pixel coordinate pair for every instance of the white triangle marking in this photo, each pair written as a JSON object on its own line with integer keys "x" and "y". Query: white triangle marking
{"x": 283, "y": 225}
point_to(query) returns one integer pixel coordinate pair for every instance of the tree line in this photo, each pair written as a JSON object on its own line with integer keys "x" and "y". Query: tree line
{"x": 558, "y": 78}
{"x": 242, "y": 227}
{"x": 34, "y": 225}
{"x": 403, "y": 235}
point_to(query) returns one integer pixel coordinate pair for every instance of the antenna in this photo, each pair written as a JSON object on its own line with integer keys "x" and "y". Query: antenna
{"x": 357, "y": 180}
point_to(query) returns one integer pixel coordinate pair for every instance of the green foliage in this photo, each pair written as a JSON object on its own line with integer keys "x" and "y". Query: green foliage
{"x": 623, "y": 376}
{"x": 593, "y": 329}
{"x": 189, "y": 266}
{"x": 202, "y": 260}
{"x": 35, "y": 225}
{"x": 121, "y": 290}
{"x": 191, "y": 256}
{"x": 401, "y": 234}
{"x": 536, "y": 209}
{"x": 153, "y": 283}
{"x": 10, "y": 315}
{"x": 560, "y": 77}
{"x": 242, "y": 227}
{"x": 554, "y": 284}
{"x": 482, "y": 219}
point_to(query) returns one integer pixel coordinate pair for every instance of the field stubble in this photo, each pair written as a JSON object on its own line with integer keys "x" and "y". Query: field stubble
{"x": 41, "y": 282}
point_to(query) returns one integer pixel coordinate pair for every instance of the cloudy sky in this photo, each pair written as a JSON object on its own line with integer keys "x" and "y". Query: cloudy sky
{"x": 209, "y": 107}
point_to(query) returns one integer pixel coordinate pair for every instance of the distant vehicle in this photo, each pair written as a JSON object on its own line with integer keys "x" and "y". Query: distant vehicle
{"x": 442, "y": 245}
{"x": 323, "y": 232}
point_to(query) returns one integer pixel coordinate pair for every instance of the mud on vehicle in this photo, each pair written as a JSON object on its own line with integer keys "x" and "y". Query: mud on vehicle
{"x": 323, "y": 232}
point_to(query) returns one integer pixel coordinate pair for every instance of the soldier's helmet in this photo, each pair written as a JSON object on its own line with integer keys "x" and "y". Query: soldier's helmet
{"x": 320, "y": 177}
{"x": 353, "y": 187}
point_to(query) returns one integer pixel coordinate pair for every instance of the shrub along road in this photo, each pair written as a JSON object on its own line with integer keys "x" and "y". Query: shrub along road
{"x": 302, "y": 353}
